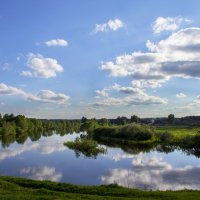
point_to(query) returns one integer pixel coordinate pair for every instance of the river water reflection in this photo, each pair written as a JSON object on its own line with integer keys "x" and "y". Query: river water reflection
{"x": 49, "y": 159}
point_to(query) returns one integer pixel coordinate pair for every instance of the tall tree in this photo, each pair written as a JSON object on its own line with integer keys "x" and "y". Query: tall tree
{"x": 135, "y": 119}
{"x": 171, "y": 118}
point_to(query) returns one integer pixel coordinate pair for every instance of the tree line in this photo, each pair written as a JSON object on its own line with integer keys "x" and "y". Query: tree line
{"x": 19, "y": 128}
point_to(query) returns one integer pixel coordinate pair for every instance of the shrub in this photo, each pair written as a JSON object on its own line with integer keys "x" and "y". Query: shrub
{"x": 165, "y": 136}
{"x": 87, "y": 147}
{"x": 127, "y": 132}
{"x": 136, "y": 132}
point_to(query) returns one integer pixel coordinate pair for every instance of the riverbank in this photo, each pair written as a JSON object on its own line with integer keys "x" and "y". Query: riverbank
{"x": 137, "y": 137}
{"x": 20, "y": 188}
{"x": 183, "y": 136}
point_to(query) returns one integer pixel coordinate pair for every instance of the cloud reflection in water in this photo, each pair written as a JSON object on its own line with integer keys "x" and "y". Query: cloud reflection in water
{"x": 43, "y": 146}
{"x": 154, "y": 173}
{"x": 41, "y": 173}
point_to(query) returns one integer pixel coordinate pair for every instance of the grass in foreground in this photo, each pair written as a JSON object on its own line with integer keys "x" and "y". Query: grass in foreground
{"x": 20, "y": 188}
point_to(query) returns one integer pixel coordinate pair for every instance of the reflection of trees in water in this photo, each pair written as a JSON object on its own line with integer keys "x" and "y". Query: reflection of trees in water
{"x": 6, "y": 140}
{"x": 20, "y": 138}
{"x": 35, "y": 136}
{"x": 189, "y": 149}
{"x": 192, "y": 151}
{"x": 129, "y": 147}
{"x": 147, "y": 147}
{"x": 19, "y": 128}
{"x": 48, "y": 133}
{"x": 166, "y": 148}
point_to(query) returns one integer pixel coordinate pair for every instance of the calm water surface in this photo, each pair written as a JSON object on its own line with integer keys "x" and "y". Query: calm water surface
{"x": 49, "y": 159}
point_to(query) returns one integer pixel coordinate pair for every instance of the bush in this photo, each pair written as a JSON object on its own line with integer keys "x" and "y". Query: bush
{"x": 106, "y": 132}
{"x": 127, "y": 132}
{"x": 165, "y": 136}
{"x": 87, "y": 147}
{"x": 136, "y": 132}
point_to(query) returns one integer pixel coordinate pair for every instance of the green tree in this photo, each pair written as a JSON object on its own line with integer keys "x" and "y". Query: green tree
{"x": 84, "y": 119}
{"x": 89, "y": 126}
{"x": 1, "y": 120}
{"x": 21, "y": 123}
{"x": 8, "y": 118}
{"x": 135, "y": 119}
{"x": 104, "y": 122}
{"x": 122, "y": 120}
{"x": 8, "y": 128}
{"x": 171, "y": 118}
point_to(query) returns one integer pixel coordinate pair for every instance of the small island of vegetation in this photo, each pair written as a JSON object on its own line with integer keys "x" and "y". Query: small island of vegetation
{"x": 87, "y": 147}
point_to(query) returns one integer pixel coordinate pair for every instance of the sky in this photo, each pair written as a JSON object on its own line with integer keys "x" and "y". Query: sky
{"x": 73, "y": 58}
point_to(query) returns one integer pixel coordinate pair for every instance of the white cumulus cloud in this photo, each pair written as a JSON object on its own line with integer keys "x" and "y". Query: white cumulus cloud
{"x": 181, "y": 95}
{"x": 57, "y": 42}
{"x": 27, "y": 73}
{"x": 47, "y": 96}
{"x": 110, "y": 25}
{"x": 176, "y": 56}
{"x": 44, "y": 96}
{"x": 133, "y": 96}
{"x": 9, "y": 90}
{"x": 101, "y": 93}
{"x": 168, "y": 24}
{"x": 42, "y": 67}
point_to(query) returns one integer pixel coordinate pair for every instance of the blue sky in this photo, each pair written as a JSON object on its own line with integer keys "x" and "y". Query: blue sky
{"x": 68, "y": 59}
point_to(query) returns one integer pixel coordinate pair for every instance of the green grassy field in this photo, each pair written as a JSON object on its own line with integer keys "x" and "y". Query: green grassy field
{"x": 179, "y": 131}
{"x": 19, "y": 188}
{"x": 145, "y": 134}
